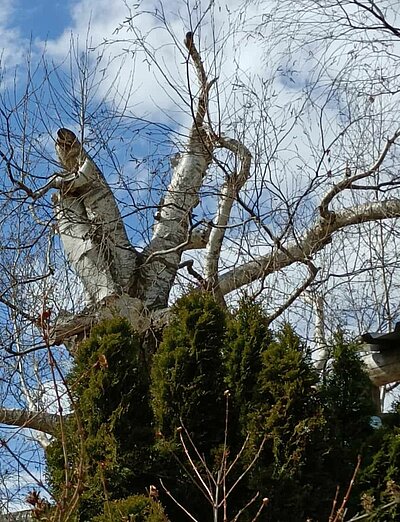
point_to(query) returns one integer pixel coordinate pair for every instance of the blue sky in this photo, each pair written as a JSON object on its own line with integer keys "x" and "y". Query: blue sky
{"x": 41, "y": 18}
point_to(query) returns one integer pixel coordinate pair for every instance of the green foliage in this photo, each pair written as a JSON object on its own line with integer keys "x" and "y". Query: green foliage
{"x": 312, "y": 431}
{"x": 248, "y": 337}
{"x": 187, "y": 388}
{"x": 137, "y": 508}
{"x": 379, "y": 483}
{"x": 290, "y": 416}
{"x": 187, "y": 373}
{"x": 347, "y": 394}
{"x": 348, "y": 406}
{"x": 286, "y": 384}
{"x": 111, "y": 435}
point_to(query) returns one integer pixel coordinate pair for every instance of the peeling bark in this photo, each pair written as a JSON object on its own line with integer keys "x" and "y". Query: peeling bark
{"x": 90, "y": 224}
{"x": 172, "y": 232}
{"x": 119, "y": 281}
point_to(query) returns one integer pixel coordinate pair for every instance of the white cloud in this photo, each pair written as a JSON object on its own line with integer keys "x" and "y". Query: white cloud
{"x": 236, "y": 56}
{"x": 158, "y": 84}
{"x": 12, "y": 42}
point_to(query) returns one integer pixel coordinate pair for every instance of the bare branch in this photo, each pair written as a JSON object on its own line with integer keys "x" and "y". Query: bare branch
{"x": 340, "y": 511}
{"x": 243, "y": 509}
{"x": 348, "y": 182}
{"x": 248, "y": 467}
{"x": 229, "y": 192}
{"x": 313, "y": 271}
{"x": 177, "y": 503}
{"x": 36, "y": 420}
{"x": 181, "y": 197}
{"x": 189, "y": 267}
{"x": 311, "y": 243}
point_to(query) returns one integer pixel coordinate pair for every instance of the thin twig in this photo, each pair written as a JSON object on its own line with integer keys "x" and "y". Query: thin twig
{"x": 265, "y": 502}
{"x": 340, "y": 511}
{"x": 334, "y": 504}
{"x": 177, "y": 503}
{"x": 194, "y": 467}
{"x": 249, "y": 503}
{"x": 248, "y": 467}
{"x": 239, "y": 454}
{"x": 368, "y": 515}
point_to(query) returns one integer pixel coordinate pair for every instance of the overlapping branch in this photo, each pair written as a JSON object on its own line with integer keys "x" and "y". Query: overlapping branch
{"x": 348, "y": 182}
{"x": 312, "y": 242}
{"x": 229, "y": 191}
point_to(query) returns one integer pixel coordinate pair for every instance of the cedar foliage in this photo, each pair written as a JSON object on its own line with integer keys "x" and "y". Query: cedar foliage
{"x": 187, "y": 387}
{"x": 379, "y": 483}
{"x": 187, "y": 373}
{"x": 290, "y": 415}
{"x": 110, "y": 387}
{"x": 347, "y": 396}
{"x": 137, "y": 508}
{"x": 313, "y": 431}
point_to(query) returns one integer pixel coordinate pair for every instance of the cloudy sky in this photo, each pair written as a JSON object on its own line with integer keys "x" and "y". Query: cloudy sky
{"x": 262, "y": 92}
{"x": 291, "y": 103}
{"x": 52, "y": 25}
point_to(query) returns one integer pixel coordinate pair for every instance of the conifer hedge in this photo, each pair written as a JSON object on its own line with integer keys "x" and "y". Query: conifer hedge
{"x": 301, "y": 435}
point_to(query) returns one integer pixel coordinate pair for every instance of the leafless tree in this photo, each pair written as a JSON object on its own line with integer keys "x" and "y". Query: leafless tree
{"x": 271, "y": 180}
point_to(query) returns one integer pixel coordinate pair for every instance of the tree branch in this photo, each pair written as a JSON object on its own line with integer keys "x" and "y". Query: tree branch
{"x": 348, "y": 182}
{"x": 313, "y": 271}
{"x": 229, "y": 192}
{"x": 36, "y": 420}
{"x": 181, "y": 197}
{"x": 312, "y": 242}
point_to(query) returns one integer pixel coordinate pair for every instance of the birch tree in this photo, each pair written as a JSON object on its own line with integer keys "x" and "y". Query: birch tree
{"x": 272, "y": 183}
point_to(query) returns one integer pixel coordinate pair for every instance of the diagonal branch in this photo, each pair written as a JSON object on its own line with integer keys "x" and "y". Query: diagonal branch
{"x": 377, "y": 13}
{"x": 347, "y": 183}
{"x": 313, "y": 271}
{"x": 312, "y": 242}
{"x": 190, "y": 166}
{"x": 229, "y": 192}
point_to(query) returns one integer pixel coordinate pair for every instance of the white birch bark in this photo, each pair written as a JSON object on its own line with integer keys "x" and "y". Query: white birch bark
{"x": 90, "y": 224}
{"x": 383, "y": 366}
{"x": 228, "y": 196}
{"x": 36, "y": 420}
{"x": 172, "y": 233}
{"x": 321, "y": 352}
{"x": 312, "y": 242}
{"x": 95, "y": 241}
{"x": 83, "y": 254}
